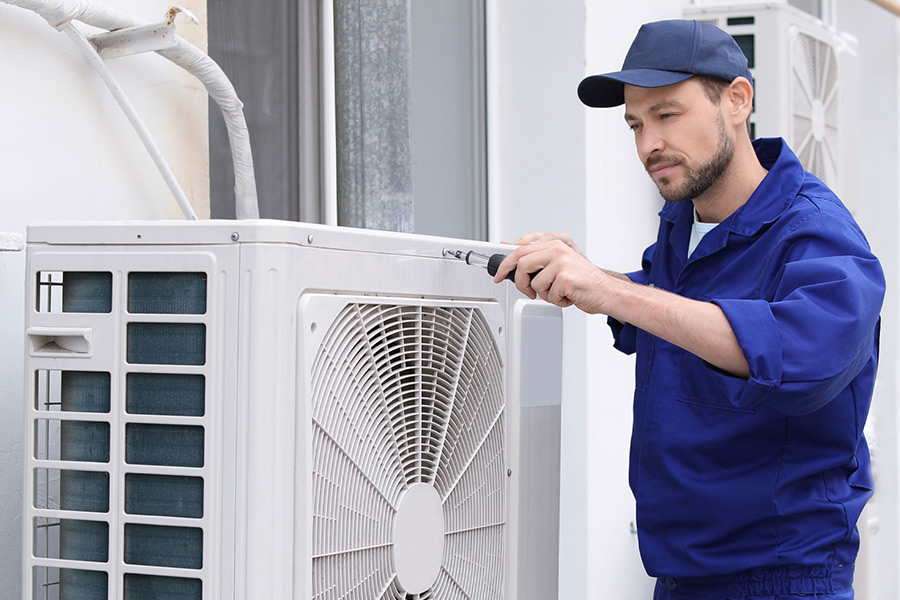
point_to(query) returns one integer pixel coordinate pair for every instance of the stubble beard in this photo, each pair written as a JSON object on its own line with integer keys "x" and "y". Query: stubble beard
{"x": 699, "y": 180}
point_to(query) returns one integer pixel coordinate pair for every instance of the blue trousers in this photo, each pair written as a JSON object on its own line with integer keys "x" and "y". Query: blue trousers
{"x": 792, "y": 583}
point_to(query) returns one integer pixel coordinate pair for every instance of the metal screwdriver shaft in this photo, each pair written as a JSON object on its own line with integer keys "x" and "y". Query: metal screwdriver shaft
{"x": 491, "y": 263}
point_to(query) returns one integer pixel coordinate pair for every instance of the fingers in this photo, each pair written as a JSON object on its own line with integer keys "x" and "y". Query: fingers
{"x": 549, "y": 266}
{"x": 522, "y": 280}
{"x": 533, "y": 262}
{"x": 511, "y": 262}
{"x": 550, "y": 284}
{"x": 552, "y": 268}
{"x": 528, "y": 238}
{"x": 537, "y": 237}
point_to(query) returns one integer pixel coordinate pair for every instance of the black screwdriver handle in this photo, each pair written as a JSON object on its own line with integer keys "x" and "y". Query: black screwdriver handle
{"x": 494, "y": 264}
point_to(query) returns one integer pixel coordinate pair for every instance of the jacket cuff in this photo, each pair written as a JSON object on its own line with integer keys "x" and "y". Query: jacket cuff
{"x": 757, "y": 334}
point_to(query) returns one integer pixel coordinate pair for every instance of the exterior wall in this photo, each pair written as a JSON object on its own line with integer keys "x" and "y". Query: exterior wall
{"x": 68, "y": 153}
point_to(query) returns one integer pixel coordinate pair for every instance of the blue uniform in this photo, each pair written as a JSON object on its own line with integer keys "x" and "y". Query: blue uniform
{"x": 760, "y": 479}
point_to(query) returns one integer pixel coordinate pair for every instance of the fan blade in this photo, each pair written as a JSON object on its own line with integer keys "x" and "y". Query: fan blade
{"x": 473, "y": 566}
{"x": 478, "y": 500}
{"x": 477, "y": 405}
{"x": 349, "y": 512}
{"x": 356, "y": 575}
{"x": 350, "y": 403}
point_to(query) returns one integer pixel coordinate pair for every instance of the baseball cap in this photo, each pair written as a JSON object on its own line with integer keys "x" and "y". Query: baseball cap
{"x": 666, "y": 53}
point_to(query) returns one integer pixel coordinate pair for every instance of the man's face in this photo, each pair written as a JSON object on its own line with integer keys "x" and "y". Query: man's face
{"x": 681, "y": 137}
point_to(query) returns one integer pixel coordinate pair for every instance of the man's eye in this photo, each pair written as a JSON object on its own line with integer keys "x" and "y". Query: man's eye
{"x": 634, "y": 126}
{"x": 666, "y": 115}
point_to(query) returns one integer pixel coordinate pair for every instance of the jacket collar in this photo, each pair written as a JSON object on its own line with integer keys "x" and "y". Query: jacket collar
{"x": 774, "y": 195}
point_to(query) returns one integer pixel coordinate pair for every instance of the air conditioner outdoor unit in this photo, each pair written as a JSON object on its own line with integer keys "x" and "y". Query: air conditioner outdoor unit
{"x": 226, "y": 410}
{"x": 794, "y": 60}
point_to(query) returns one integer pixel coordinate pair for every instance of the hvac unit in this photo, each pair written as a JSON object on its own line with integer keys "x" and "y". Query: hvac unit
{"x": 257, "y": 410}
{"x": 793, "y": 57}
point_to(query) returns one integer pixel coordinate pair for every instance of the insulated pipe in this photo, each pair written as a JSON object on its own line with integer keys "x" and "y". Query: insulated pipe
{"x": 59, "y": 13}
{"x": 100, "y": 65}
{"x": 220, "y": 89}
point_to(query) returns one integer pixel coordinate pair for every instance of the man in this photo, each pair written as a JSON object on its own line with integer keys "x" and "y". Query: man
{"x": 755, "y": 321}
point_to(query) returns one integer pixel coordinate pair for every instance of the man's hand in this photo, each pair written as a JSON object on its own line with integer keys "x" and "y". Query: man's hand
{"x": 552, "y": 267}
{"x": 537, "y": 236}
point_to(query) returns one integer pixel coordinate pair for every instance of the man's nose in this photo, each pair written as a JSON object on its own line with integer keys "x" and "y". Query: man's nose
{"x": 649, "y": 142}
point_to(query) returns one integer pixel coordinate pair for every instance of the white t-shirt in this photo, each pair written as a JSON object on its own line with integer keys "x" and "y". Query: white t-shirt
{"x": 698, "y": 230}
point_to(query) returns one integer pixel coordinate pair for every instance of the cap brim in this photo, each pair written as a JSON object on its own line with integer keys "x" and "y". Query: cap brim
{"x": 604, "y": 91}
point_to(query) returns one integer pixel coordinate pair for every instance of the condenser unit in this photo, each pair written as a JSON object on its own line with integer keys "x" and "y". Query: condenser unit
{"x": 793, "y": 57}
{"x": 228, "y": 410}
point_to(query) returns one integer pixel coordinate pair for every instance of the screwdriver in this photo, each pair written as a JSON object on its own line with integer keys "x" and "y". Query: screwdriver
{"x": 491, "y": 263}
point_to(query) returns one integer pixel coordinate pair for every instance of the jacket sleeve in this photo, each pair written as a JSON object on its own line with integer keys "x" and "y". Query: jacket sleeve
{"x": 625, "y": 334}
{"x": 815, "y": 326}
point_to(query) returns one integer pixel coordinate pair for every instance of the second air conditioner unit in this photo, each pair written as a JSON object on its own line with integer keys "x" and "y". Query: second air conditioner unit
{"x": 795, "y": 59}
{"x": 225, "y": 410}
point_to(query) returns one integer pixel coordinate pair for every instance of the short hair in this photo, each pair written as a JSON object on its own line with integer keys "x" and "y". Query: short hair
{"x": 714, "y": 87}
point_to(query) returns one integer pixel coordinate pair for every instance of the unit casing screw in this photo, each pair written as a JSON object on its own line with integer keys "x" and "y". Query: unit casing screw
{"x": 235, "y": 236}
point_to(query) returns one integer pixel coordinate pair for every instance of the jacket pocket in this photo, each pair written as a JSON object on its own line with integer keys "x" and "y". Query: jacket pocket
{"x": 704, "y": 385}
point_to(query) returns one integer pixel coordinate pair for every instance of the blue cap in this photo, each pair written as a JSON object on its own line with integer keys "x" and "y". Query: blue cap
{"x": 666, "y": 53}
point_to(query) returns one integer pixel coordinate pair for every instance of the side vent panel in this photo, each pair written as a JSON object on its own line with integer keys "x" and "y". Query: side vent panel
{"x": 118, "y": 472}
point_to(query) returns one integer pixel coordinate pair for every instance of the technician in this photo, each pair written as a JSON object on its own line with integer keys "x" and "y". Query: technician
{"x": 755, "y": 319}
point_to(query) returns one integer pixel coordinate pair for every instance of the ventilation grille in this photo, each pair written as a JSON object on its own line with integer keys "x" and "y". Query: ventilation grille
{"x": 815, "y": 105}
{"x": 117, "y": 453}
{"x": 408, "y": 398}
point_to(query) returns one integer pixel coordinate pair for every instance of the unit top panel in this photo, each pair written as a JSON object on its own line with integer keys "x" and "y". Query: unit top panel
{"x": 262, "y": 231}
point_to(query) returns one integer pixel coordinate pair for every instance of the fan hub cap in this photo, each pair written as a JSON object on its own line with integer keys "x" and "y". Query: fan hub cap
{"x": 418, "y": 538}
{"x": 818, "y": 120}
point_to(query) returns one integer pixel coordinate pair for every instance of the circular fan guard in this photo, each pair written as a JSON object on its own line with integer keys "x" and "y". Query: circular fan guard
{"x": 406, "y": 396}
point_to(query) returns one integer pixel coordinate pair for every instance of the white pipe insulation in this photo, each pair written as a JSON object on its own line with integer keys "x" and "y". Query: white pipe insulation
{"x": 61, "y": 13}
{"x": 155, "y": 153}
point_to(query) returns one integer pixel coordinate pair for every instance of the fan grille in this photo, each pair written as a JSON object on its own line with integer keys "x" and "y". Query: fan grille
{"x": 402, "y": 396}
{"x": 815, "y": 110}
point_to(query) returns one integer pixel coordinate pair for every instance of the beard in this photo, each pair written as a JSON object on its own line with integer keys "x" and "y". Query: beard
{"x": 701, "y": 178}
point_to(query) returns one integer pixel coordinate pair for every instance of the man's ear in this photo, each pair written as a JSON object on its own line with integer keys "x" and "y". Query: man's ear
{"x": 739, "y": 100}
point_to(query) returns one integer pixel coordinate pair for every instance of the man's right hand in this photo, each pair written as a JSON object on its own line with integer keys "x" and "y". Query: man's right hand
{"x": 552, "y": 267}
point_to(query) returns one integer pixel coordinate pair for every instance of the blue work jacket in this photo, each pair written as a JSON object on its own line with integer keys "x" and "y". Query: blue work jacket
{"x": 731, "y": 474}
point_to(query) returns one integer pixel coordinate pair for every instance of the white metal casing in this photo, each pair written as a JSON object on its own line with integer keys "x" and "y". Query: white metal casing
{"x": 270, "y": 288}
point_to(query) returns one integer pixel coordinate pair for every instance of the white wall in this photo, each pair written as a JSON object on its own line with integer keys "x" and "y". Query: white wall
{"x": 68, "y": 153}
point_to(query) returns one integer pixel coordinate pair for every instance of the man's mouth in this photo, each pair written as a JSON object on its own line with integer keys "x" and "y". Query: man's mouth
{"x": 661, "y": 167}
{"x": 661, "y": 171}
